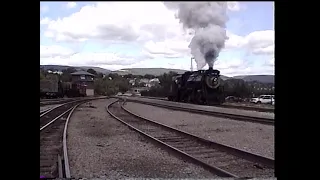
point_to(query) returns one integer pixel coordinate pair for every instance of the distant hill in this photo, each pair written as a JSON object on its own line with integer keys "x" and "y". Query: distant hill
{"x": 158, "y": 71}
{"x": 153, "y": 71}
{"x": 259, "y": 78}
{"x": 144, "y": 71}
{"x": 97, "y": 69}
{"x": 60, "y": 68}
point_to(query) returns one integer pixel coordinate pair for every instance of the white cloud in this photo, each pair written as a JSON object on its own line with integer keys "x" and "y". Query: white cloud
{"x": 151, "y": 24}
{"x": 168, "y": 48}
{"x": 66, "y": 56}
{"x": 141, "y": 22}
{"x": 71, "y": 5}
{"x": 234, "y": 6}
{"x": 63, "y": 56}
{"x": 259, "y": 70}
{"x": 270, "y": 62}
{"x": 231, "y": 63}
{"x": 54, "y": 51}
{"x": 44, "y": 9}
{"x": 258, "y": 42}
{"x": 45, "y": 21}
{"x": 126, "y": 21}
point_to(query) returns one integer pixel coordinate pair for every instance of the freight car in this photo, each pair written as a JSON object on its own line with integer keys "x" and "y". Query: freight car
{"x": 200, "y": 87}
{"x": 54, "y": 88}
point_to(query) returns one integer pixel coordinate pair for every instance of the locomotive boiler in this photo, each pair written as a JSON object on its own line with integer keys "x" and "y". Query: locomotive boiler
{"x": 200, "y": 87}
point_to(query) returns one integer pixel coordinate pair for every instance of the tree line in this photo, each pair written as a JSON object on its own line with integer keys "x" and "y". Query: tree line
{"x": 232, "y": 87}
{"x": 114, "y": 83}
{"x": 103, "y": 84}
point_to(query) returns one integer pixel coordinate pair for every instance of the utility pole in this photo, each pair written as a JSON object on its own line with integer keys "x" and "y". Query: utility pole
{"x": 191, "y": 68}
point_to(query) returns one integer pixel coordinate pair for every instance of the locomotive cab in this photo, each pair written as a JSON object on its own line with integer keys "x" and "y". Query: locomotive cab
{"x": 174, "y": 88}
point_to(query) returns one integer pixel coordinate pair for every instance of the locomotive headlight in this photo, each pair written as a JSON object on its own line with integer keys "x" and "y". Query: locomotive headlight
{"x": 215, "y": 81}
{"x": 212, "y": 82}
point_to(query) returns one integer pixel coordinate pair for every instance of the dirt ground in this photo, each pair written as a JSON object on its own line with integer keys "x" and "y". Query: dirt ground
{"x": 101, "y": 147}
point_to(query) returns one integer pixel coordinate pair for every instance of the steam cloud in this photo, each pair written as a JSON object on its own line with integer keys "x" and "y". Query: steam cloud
{"x": 208, "y": 20}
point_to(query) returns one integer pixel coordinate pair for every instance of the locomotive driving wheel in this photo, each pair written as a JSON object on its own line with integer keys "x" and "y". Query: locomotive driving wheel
{"x": 198, "y": 98}
{"x": 189, "y": 99}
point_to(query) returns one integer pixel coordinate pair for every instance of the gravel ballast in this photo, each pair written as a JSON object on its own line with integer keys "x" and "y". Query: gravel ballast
{"x": 252, "y": 137}
{"x": 101, "y": 147}
{"x": 43, "y": 108}
{"x": 209, "y": 108}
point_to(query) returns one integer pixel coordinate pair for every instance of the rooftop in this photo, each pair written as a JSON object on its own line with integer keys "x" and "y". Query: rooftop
{"x": 82, "y": 73}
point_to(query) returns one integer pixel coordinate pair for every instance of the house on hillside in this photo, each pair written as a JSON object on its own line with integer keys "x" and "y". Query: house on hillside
{"x": 138, "y": 90}
{"x": 145, "y": 82}
{"x": 154, "y": 82}
{"x": 83, "y": 77}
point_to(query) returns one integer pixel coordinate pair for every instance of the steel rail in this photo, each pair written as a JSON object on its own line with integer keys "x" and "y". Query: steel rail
{"x": 249, "y": 108}
{"x": 65, "y": 149}
{"x": 261, "y": 120}
{"x": 221, "y": 147}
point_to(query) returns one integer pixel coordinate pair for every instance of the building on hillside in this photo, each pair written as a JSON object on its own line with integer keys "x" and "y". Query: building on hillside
{"x": 154, "y": 82}
{"x": 83, "y": 77}
{"x": 145, "y": 81}
{"x": 132, "y": 82}
{"x": 137, "y": 91}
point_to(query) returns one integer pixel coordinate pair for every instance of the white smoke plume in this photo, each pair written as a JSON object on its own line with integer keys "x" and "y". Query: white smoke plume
{"x": 208, "y": 20}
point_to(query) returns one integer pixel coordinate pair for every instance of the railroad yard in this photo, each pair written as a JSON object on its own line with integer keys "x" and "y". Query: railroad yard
{"x": 158, "y": 90}
{"x": 131, "y": 137}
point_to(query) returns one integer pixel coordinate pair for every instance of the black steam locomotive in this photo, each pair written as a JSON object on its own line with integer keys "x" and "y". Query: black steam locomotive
{"x": 200, "y": 87}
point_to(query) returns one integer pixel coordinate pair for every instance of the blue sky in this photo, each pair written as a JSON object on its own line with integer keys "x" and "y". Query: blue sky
{"x": 115, "y": 36}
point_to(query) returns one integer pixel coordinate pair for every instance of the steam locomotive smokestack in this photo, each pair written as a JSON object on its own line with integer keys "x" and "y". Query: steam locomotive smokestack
{"x": 191, "y": 67}
{"x": 209, "y": 57}
{"x": 208, "y": 20}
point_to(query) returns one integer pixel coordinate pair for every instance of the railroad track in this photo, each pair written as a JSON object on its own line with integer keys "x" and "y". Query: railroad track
{"x": 53, "y": 150}
{"x": 222, "y": 160}
{"x": 249, "y": 108}
{"x": 57, "y": 101}
{"x": 43, "y": 111}
{"x": 261, "y": 120}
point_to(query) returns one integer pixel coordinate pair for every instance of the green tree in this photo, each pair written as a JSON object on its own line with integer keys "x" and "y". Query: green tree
{"x": 42, "y": 76}
{"x": 130, "y": 76}
{"x": 92, "y": 71}
{"x": 99, "y": 75}
{"x": 149, "y": 76}
{"x": 100, "y": 86}
{"x": 123, "y": 86}
{"x": 113, "y": 75}
{"x": 71, "y": 70}
{"x": 111, "y": 84}
{"x": 166, "y": 79}
{"x": 66, "y": 76}
{"x": 142, "y": 84}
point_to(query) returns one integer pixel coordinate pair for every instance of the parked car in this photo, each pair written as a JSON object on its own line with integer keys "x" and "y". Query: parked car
{"x": 234, "y": 99}
{"x": 273, "y": 101}
{"x": 263, "y": 99}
